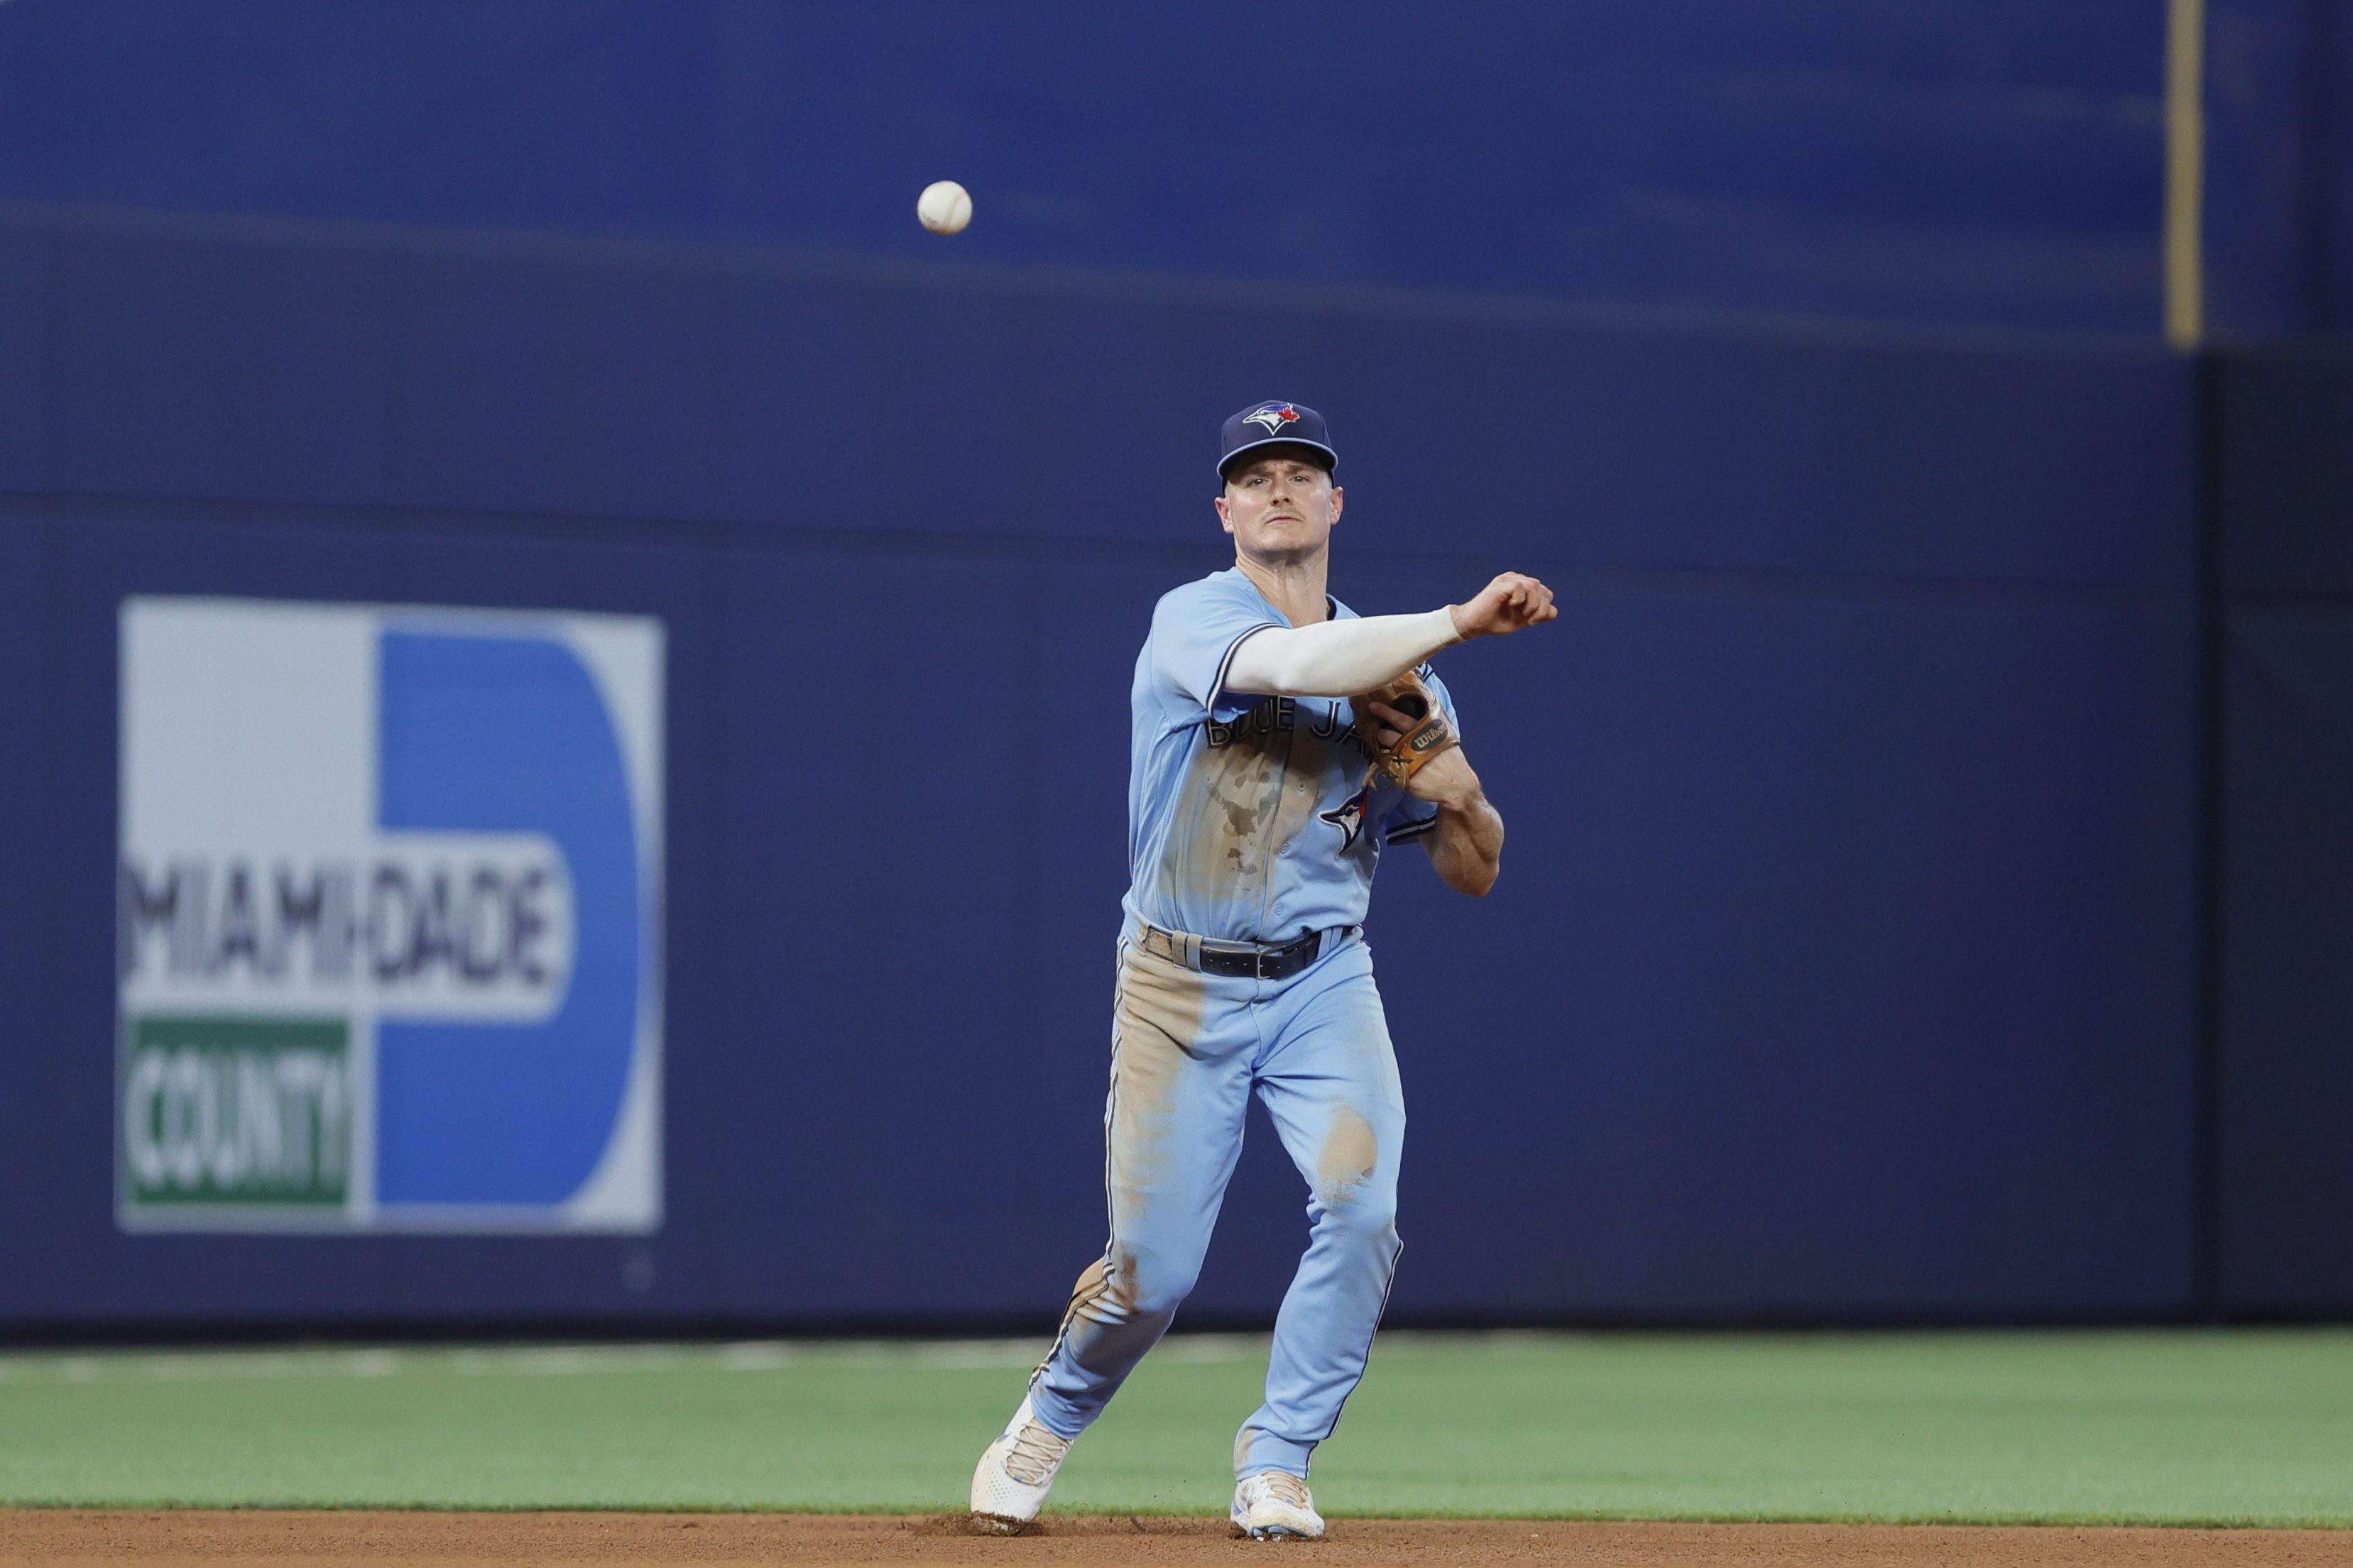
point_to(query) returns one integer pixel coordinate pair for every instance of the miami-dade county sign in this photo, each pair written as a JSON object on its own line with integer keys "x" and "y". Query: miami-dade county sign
{"x": 390, "y": 903}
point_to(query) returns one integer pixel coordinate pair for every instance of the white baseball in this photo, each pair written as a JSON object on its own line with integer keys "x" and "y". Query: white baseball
{"x": 945, "y": 206}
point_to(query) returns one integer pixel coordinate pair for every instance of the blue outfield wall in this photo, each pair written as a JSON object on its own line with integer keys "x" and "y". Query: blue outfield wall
{"x": 1844, "y": 964}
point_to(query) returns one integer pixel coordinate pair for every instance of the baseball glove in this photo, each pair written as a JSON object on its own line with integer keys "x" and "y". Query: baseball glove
{"x": 1427, "y": 734}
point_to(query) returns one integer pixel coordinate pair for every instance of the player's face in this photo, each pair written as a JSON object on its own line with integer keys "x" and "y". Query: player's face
{"x": 1280, "y": 508}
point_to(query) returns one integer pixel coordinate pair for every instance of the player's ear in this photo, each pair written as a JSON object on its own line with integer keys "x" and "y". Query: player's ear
{"x": 1336, "y": 494}
{"x": 1225, "y": 517}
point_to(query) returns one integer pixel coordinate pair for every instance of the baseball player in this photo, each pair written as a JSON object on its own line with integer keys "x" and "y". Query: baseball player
{"x": 1265, "y": 784}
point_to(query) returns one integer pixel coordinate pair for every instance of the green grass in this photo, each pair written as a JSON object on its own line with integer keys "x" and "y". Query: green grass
{"x": 2239, "y": 1427}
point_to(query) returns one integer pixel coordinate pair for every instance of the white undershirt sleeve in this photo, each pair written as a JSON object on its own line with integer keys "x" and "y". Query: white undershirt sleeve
{"x": 1337, "y": 659}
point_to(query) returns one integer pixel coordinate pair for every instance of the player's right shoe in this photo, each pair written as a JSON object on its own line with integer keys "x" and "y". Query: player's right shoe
{"x": 1016, "y": 1474}
{"x": 1275, "y": 1505}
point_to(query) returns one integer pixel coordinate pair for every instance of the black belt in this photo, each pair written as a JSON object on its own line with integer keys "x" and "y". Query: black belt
{"x": 1241, "y": 959}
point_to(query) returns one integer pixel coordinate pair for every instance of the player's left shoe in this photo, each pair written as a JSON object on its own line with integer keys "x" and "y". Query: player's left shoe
{"x": 1275, "y": 1505}
{"x": 1016, "y": 1474}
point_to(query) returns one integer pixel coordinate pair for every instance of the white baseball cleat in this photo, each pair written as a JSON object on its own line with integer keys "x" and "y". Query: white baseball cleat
{"x": 1016, "y": 1474}
{"x": 1275, "y": 1505}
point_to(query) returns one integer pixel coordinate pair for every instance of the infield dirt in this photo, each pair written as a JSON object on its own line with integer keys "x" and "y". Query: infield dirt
{"x": 164, "y": 1538}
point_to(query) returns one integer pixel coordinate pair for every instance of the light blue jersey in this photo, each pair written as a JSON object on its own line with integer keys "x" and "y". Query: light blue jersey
{"x": 1248, "y": 816}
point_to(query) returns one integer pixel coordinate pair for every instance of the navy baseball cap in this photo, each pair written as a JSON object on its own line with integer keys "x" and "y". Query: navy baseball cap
{"x": 1274, "y": 425}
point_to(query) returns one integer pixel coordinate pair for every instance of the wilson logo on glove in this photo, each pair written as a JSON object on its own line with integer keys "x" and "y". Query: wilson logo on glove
{"x": 1430, "y": 735}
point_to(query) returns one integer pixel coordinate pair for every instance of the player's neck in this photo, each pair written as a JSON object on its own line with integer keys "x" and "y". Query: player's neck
{"x": 1295, "y": 587}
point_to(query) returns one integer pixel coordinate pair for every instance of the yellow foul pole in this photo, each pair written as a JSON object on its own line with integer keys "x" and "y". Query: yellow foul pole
{"x": 2185, "y": 172}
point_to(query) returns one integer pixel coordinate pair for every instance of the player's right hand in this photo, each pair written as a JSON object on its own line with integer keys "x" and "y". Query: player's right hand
{"x": 1512, "y": 601}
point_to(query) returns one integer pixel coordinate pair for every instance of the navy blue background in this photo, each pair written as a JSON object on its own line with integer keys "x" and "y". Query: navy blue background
{"x": 1979, "y": 161}
{"x": 1964, "y": 161}
{"x": 1924, "y": 892}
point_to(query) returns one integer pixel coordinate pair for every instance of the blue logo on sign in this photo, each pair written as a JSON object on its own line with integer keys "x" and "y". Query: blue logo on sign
{"x": 491, "y": 735}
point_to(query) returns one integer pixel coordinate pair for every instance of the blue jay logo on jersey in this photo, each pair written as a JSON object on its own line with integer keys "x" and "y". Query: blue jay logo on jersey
{"x": 389, "y": 917}
{"x": 1274, "y": 417}
{"x": 1348, "y": 817}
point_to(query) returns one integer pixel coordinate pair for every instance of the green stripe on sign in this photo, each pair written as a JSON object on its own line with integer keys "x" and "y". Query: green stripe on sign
{"x": 236, "y": 1111}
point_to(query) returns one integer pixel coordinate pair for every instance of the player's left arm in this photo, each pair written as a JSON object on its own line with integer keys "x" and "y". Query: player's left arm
{"x": 1466, "y": 841}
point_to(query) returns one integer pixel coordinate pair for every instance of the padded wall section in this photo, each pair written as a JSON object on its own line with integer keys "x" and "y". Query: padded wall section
{"x": 223, "y": 364}
{"x": 24, "y": 304}
{"x": 284, "y": 363}
{"x": 1841, "y": 966}
{"x": 2286, "y": 1086}
{"x": 24, "y": 932}
{"x": 1840, "y": 970}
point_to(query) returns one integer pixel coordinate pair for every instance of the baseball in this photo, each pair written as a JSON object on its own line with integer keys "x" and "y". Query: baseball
{"x": 945, "y": 206}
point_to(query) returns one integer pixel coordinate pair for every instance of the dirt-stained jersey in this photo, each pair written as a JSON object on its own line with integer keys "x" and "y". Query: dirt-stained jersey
{"x": 1248, "y": 816}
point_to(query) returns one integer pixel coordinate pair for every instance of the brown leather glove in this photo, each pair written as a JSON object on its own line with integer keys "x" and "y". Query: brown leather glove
{"x": 1427, "y": 733}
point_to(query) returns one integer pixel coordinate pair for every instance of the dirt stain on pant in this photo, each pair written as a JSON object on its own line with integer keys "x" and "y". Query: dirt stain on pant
{"x": 1157, "y": 1022}
{"x": 1351, "y": 1150}
{"x": 1087, "y": 1295}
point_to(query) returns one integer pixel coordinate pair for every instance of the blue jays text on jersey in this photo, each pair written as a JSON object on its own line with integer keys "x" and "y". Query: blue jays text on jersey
{"x": 1250, "y": 817}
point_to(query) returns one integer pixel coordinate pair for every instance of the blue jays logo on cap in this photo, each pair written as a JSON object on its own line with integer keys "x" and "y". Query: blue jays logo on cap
{"x": 1271, "y": 423}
